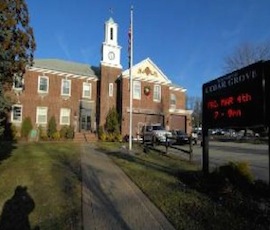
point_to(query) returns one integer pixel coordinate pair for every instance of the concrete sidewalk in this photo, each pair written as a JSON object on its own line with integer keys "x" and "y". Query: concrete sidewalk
{"x": 111, "y": 200}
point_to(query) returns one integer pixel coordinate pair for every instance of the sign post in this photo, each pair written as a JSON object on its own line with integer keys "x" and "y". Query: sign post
{"x": 236, "y": 100}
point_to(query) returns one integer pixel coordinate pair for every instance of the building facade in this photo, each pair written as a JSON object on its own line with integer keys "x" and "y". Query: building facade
{"x": 80, "y": 95}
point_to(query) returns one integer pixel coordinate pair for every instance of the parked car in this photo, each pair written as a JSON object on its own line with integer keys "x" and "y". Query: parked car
{"x": 182, "y": 138}
{"x": 195, "y": 137}
{"x": 154, "y": 134}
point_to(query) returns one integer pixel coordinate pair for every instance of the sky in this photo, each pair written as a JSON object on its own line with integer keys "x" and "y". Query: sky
{"x": 187, "y": 39}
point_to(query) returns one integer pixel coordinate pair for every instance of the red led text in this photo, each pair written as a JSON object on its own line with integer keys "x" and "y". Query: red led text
{"x": 229, "y": 107}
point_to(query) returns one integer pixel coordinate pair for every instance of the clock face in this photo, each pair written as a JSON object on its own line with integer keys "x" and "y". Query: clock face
{"x": 111, "y": 55}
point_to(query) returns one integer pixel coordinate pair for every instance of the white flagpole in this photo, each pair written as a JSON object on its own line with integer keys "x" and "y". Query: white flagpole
{"x": 130, "y": 79}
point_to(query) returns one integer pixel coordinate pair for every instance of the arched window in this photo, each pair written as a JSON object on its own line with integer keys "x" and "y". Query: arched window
{"x": 111, "y": 33}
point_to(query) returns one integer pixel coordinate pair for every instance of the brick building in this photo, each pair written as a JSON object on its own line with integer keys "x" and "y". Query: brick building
{"x": 81, "y": 95}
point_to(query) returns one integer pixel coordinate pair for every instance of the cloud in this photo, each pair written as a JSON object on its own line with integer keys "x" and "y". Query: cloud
{"x": 89, "y": 54}
{"x": 63, "y": 46}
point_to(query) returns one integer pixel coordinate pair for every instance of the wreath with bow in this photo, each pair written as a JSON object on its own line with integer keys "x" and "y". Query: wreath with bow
{"x": 147, "y": 90}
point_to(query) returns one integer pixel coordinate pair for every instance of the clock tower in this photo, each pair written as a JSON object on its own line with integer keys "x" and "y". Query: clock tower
{"x": 110, "y": 70}
{"x": 110, "y": 48}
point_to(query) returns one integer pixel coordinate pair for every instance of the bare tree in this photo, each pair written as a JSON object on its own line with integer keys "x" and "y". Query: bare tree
{"x": 195, "y": 104}
{"x": 246, "y": 54}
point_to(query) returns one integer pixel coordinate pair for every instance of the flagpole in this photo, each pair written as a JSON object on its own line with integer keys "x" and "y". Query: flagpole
{"x": 130, "y": 79}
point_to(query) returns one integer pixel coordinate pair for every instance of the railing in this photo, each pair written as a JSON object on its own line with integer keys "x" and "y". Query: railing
{"x": 169, "y": 144}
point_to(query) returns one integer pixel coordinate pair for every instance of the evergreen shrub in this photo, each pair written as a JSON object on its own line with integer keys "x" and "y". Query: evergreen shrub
{"x": 70, "y": 132}
{"x": 42, "y": 134}
{"x": 237, "y": 174}
{"x": 56, "y": 136}
{"x": 26, "y": 127}
{"x": 51, "y": 127}
{"x": 112, "y": 121}
{"x": 63, "y": 132}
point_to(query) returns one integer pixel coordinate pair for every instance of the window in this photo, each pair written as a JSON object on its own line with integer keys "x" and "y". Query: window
{"x": 137, "y": 90}
{"x": 43, "y": 84}
{"x": 111, "y": 90}
{"x": 173, "y": 100}
{"x": 65, "y": 116}
{"x": 66, "y": 85}
{"x": 41, "y": 117}
{"x": 18, "y": 82}
{"x": 157, "y": 93}
{"x": 16, "y": 113}
{"x": 111, "y": 33}
{"x": 87, "y": 89}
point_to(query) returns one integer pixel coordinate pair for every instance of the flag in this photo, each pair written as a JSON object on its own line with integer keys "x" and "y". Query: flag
{"x": 130, "y": 38}
{"x": 129, "y": 45}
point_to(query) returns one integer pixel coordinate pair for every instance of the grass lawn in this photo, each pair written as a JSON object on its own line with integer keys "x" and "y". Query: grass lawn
{"x": 47, "y": 180}
{"x": 175, "y": 186}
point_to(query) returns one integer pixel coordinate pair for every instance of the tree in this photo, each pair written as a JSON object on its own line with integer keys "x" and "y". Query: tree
{"x": 26, "y": 127}
{"x": 17, "y": 44}
{"x": 197, "y": 113}
{"x": 195, "y": 104}
{"x": 4, "y": 105}
{"x": 112, "y": 121}
{"x": 52, "y": 127}
{"x": 246, "y": 54}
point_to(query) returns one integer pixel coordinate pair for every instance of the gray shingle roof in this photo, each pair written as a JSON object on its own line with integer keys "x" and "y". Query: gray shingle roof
{"x": 67, "y": 67}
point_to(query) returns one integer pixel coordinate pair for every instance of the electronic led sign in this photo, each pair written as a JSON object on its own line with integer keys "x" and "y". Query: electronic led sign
{"x": 236, "y": 99}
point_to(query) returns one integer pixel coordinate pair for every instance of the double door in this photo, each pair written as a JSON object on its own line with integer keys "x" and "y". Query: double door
{"x": 85, "y": 120}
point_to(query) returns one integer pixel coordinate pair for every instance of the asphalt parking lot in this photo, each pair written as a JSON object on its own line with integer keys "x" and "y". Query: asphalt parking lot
{"x": 222, "y": 152}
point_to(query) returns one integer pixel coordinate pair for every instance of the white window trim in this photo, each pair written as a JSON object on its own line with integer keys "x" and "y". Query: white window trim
{"x": 172, "y": 98}
{"x": 14, "y": 85}
{"x": 111, "y": 90}
{"x": 159, "y": 90}
{"x": 62, "y": 87}
{"x": 62, "y": 113}
{"x": 138, "y": 84}
{"x": 37, "y": 114}
{"x": 39, "y": 79}
{"x": 90, "y": 89}
{"x": 12, "y": 114}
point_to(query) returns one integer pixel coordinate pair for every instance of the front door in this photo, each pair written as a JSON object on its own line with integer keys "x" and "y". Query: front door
{"x": 85, "y": 120}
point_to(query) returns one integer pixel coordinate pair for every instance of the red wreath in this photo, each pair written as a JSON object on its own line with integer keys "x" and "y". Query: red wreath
{"x": 147, "y": 90}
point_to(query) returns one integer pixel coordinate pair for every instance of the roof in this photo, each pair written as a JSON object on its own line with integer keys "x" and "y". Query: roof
{"x": 177, "y": 87}
{"x": 147, "y": 70}
{"x": 67, "y": 67}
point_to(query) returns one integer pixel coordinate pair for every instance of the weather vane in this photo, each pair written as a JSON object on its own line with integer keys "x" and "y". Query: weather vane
{"x": 111, "y": 10}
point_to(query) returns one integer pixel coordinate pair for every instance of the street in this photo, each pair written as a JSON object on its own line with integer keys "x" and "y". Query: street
{"x": 222, "y": 152}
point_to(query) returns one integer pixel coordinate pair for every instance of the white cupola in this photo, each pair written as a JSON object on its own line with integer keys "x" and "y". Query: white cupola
{"x": 110, "y": 49}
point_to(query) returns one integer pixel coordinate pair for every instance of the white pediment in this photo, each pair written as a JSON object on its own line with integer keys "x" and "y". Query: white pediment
{"x": 146, "y": 70}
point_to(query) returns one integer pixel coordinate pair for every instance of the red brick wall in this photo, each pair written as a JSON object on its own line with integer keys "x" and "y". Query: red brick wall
{"x": 160, "y": 110}
{"x": 180, "y": 99}
{"x": 31, "y": 99}
{"x": 157, "y": 111}
{"x": 178, "y": 122}
{"x": 108, "y": 75}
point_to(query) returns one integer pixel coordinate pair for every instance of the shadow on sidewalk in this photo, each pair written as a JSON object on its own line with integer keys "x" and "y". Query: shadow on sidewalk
{"x": 103, "y": 206}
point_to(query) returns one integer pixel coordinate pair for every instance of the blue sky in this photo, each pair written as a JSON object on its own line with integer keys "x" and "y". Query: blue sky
{"x": 187, "y": 39}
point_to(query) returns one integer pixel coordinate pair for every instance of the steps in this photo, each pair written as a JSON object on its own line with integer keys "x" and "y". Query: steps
{"x": 85, "y": 137}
